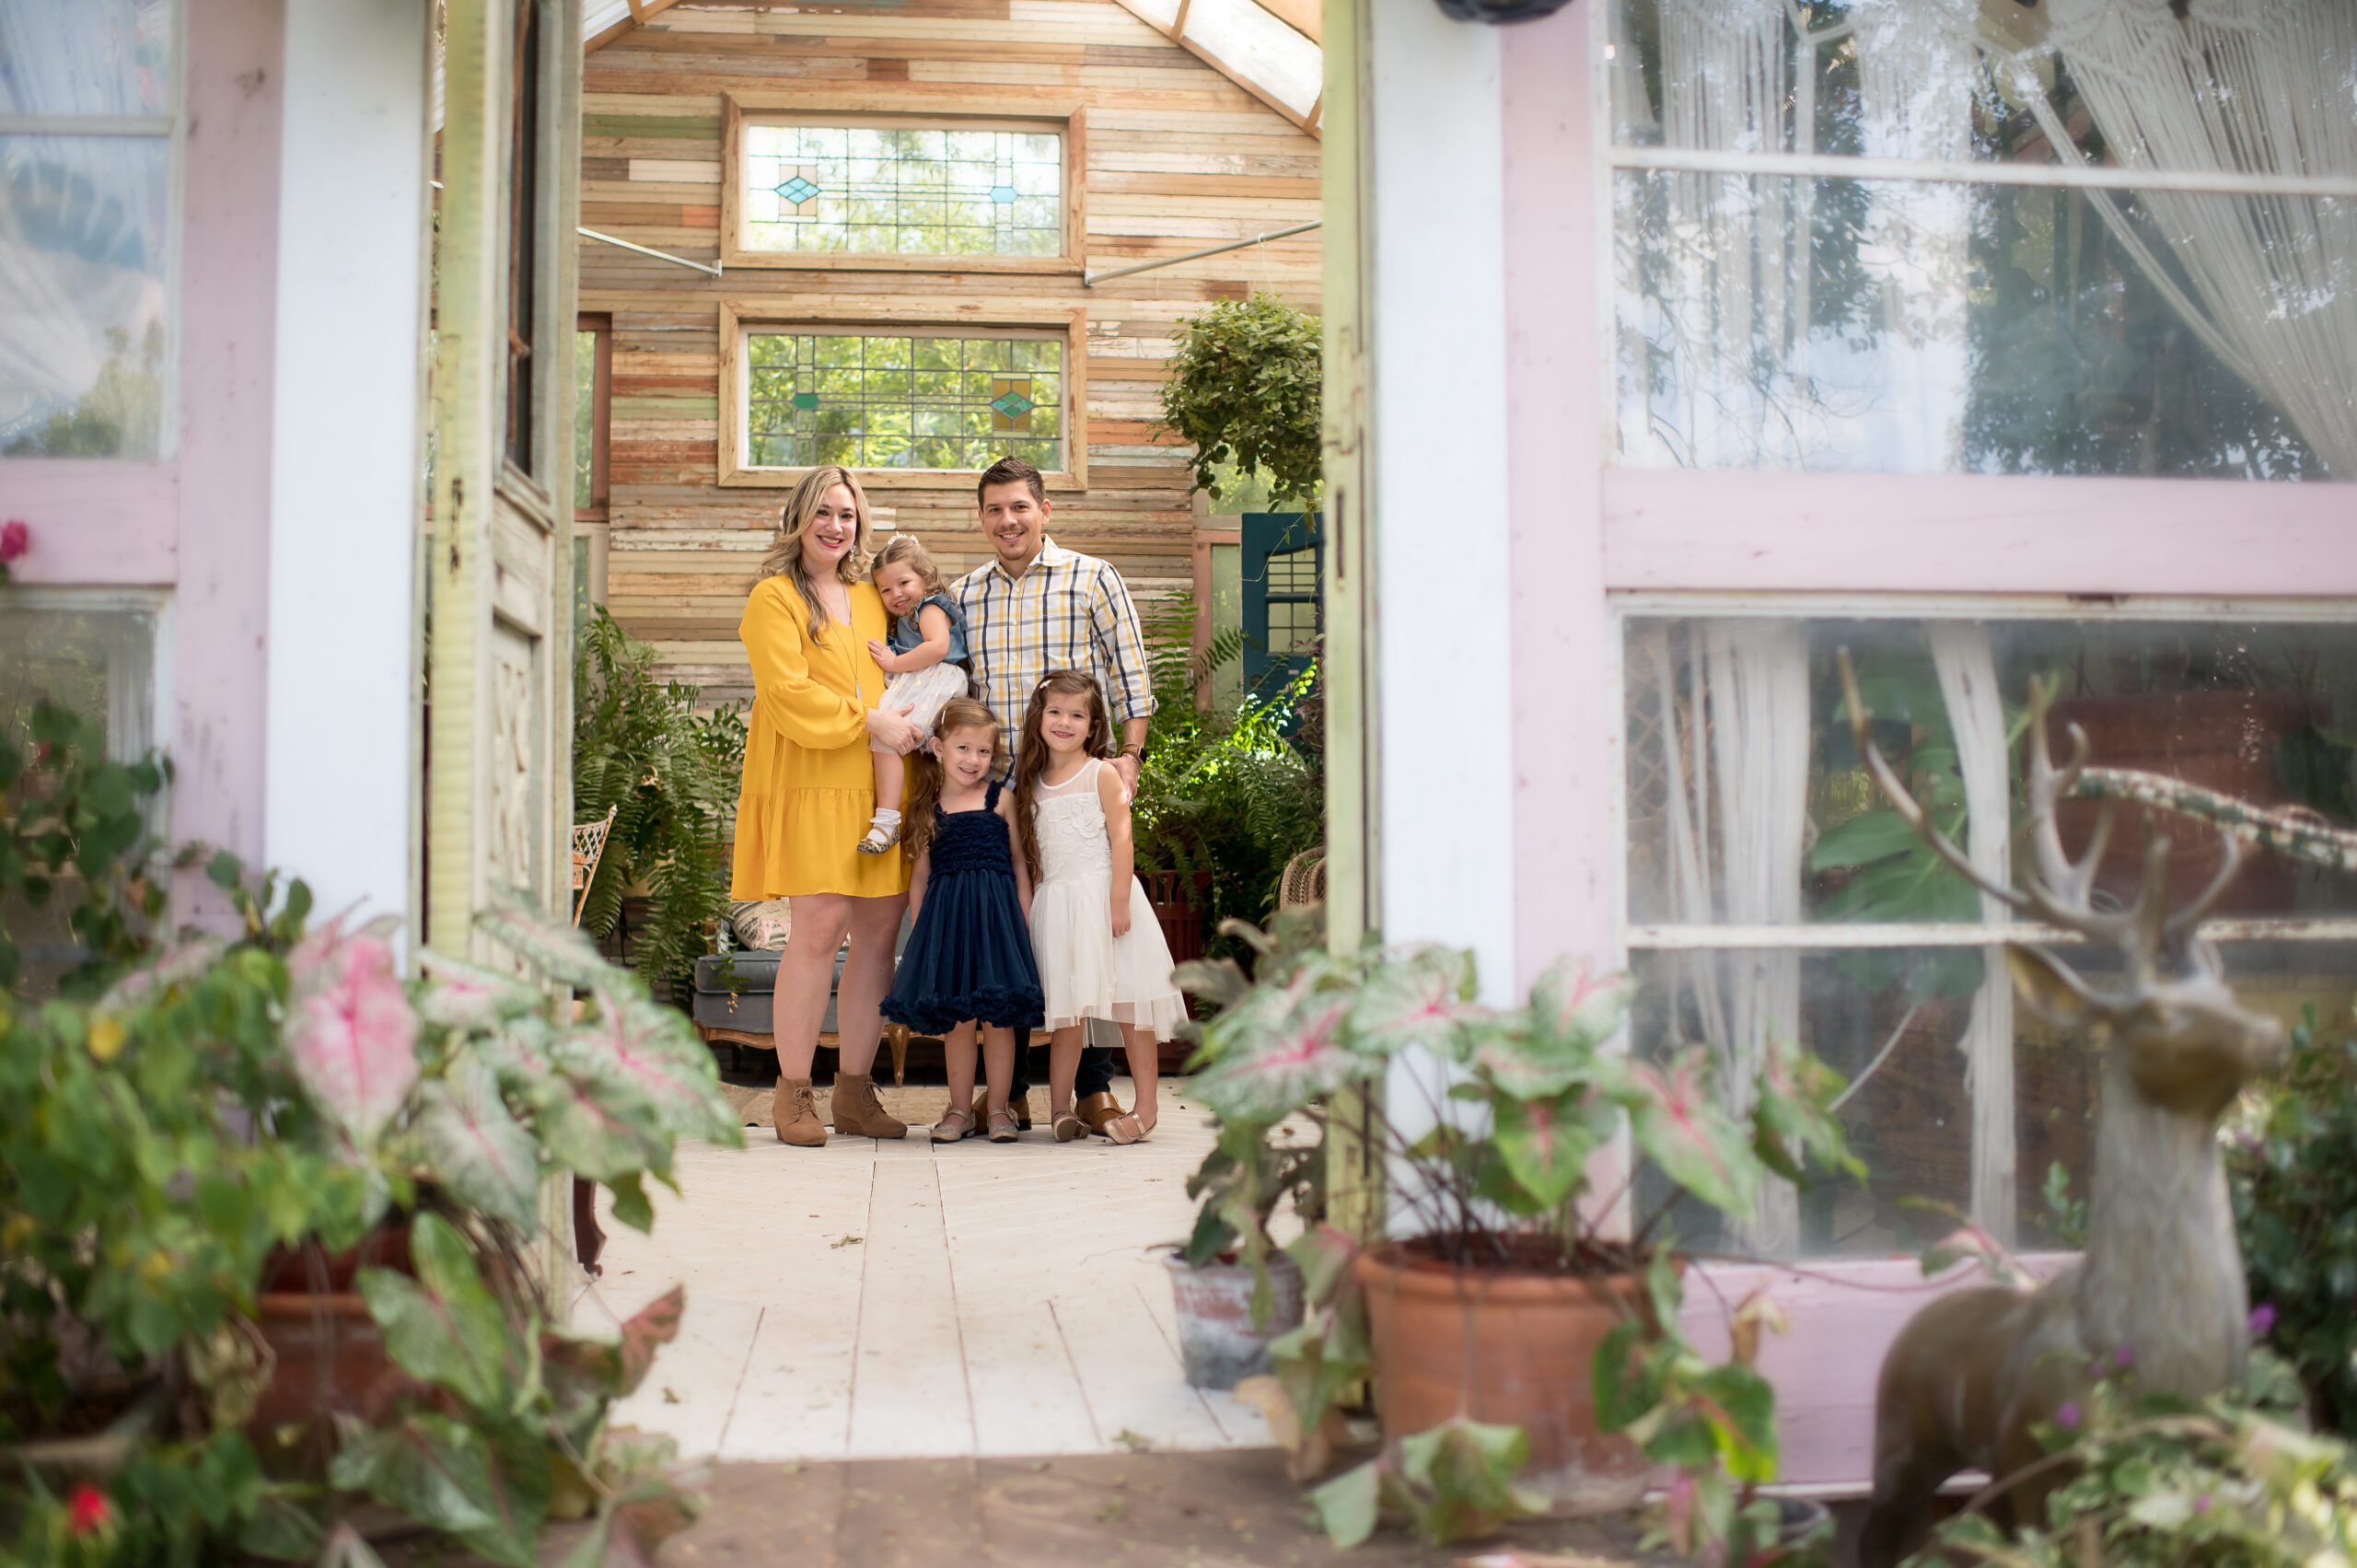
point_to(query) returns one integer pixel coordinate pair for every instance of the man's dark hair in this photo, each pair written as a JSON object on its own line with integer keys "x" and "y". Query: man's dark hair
{"x": 1012, "y": 471}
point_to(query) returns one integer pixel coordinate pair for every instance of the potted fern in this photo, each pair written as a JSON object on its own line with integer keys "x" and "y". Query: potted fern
{"x": 669, "y": 774}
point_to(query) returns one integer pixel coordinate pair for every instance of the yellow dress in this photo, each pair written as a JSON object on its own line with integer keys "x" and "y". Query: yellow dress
{"x": 809, "y": 785}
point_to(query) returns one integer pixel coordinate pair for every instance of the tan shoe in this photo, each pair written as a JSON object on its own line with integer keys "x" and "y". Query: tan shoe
{"x": 796, "y": 1112}
{"x": 858, "y": 1112}
{"x": 1098, "y": 1109}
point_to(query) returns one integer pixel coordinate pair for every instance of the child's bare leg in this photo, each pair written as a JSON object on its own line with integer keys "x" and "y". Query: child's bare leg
{"x": 1145, "y": 1072}
{"x": 958, "y": 1059}
{"x": 891, "y": 777}
{"x": 1064, "y": 1065}
{"x": 998, "y": 1062}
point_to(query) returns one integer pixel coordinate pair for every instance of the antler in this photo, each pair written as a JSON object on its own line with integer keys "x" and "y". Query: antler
{"x": 2059, "y": 891}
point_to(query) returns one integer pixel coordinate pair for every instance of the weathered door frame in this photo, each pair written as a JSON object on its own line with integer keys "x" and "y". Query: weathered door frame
{"x": 499, "y": 573}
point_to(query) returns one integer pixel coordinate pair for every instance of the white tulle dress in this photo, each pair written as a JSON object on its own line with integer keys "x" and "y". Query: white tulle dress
{"x": 1087, "y": 972}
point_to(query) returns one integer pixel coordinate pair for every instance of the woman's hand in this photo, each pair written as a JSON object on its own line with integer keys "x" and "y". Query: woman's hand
{"x": 891, "y": 726}
{"x": 881, "y": 652}
{"x": 1121, "y": 913}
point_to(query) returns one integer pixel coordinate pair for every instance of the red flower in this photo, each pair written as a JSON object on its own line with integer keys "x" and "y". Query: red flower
{"x": 87, "y": 1508}
{"x": 15, "y": 539}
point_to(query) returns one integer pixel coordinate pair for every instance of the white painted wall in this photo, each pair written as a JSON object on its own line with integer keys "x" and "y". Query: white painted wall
{"x": 1443, "y": 688}
{"x": 345, "y": 455}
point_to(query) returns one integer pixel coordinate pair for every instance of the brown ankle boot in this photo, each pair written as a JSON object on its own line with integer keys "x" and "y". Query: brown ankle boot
{"x": 858, "y": 1112}
{"x": 796, "y": 1112}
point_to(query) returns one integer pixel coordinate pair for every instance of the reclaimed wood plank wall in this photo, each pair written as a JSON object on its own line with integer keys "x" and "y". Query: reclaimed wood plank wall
{"x": 1179, "y": 159}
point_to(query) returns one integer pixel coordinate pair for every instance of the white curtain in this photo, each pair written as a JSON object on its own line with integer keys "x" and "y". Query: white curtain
{"x": 1738, "y": 819}
{"x": 1734, "y": 247}
{"x": 1968, "y": 676}
{"x": 2241, "y": 88}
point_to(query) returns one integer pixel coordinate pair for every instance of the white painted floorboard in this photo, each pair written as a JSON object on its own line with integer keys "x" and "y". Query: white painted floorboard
{"x": 904, "y": 1300}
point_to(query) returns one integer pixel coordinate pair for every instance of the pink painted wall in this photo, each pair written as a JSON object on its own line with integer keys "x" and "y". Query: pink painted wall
{"x": 227, "y": 301}
{"x": 1566, "y": 693}
{"x": 199, "y": 522}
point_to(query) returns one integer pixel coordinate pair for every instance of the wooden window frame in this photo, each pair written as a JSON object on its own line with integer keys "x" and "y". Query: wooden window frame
{"x": 601, "y": 415}
{"x": 899, "y": 111}
{"x": 740, "y": 317}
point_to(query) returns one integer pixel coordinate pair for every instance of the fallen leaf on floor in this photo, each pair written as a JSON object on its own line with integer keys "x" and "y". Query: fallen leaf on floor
{"x": 1114, "y": 1512}
{"x": 1133, "y": 1442}
{"x": 843, "y": 1241}
{"x": 669, "y": 1398}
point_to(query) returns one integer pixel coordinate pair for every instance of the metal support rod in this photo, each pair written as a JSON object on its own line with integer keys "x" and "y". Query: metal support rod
{"x": 707, "y": 268}
{"x": 1091, "y": 280}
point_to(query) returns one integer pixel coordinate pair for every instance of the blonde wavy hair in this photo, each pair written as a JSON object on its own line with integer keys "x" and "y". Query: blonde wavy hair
{"x": 794, "y": 520}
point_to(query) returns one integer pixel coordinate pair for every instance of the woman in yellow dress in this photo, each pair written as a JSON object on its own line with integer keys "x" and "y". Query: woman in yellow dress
{"x": 808, "y": 790}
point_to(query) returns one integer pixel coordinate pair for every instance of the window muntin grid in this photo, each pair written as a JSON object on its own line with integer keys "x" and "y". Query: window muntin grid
{"x": 909, "y": 190}
{"x": 903, "y": 399}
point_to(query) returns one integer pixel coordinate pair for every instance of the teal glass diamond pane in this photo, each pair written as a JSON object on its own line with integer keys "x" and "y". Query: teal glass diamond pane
{"x": 1015, "y": 405}
{"x": 805, "y": 400}
{"x": 1003, "y": 195}
{"x": 797, "y": 189}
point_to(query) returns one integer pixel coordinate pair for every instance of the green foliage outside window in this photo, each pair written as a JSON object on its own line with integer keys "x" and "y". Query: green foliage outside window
{"x": 2292, "y": 1172}
{"x": 671, "y": 775}
{"x": 1244, "y": 387}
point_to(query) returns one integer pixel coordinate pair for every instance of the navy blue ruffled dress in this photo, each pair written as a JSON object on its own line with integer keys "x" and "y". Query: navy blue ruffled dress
{"x": 969, "y": 956}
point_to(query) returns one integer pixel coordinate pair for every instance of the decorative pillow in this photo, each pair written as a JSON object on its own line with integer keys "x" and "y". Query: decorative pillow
{"x": 761, "y": 927}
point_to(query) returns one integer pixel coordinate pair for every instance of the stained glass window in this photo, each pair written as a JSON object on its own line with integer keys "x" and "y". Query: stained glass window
{"x": 903, "y": 401}
{"x": 865, "y": 189}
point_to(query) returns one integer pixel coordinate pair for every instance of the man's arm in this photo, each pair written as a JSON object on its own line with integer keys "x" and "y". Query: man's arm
{"x": 1119, "y": 646}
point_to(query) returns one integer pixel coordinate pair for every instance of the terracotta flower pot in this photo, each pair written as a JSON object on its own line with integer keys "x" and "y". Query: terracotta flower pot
{"x": 329, "y": 1353}
{"x": 1178, "y": 898}
{"x": 1514, "y": 1346}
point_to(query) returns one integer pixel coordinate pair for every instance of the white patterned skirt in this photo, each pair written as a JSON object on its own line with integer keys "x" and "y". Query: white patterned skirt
{"x": 1087, "y": 972}
{"x": 924, "y": 692}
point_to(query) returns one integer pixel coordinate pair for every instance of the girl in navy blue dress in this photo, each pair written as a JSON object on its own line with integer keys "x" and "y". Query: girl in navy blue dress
{"x": 969, "y": 958}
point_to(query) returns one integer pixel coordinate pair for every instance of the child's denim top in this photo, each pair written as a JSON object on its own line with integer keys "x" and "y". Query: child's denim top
{"x": 907, "y": 633}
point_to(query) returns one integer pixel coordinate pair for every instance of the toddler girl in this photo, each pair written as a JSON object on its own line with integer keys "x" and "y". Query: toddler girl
{"x": 925, "y": 657}
{"x": 1101, "y": 955}
{"x": 969, "y": 958}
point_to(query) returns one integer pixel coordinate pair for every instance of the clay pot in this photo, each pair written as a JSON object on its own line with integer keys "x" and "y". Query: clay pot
{"x": 1217, "y": 1343}
{"x": 1178, "y": 898}
{"x": 1515, "y": 1346}
{"x": 2225, "y": 741}
{"x": 329, "y": 1353}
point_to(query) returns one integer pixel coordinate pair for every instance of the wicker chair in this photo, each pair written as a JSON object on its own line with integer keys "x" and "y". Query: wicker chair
{"x": 589, "y": 848}
{"x": 1303, "y": 881}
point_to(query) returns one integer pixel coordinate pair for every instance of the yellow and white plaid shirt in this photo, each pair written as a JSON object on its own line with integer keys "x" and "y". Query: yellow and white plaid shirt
{"x": 1068, "y": 612}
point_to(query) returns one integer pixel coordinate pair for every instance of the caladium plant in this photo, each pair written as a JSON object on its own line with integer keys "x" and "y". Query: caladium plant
{"x": 1501, "y": 1171}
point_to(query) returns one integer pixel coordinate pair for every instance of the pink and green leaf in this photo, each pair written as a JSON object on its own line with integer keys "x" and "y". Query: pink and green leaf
{"x": 1682, "y": 1129}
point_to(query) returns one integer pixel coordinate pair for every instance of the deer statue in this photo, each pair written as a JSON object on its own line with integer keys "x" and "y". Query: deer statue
{"x": 2161, "y": 1283}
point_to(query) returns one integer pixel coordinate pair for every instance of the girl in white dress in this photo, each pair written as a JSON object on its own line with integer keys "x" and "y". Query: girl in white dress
{"x": 1100, "y": 953}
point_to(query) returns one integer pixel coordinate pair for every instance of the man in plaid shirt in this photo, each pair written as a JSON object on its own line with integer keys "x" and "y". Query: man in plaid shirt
{"x": 1040, "y": 607}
